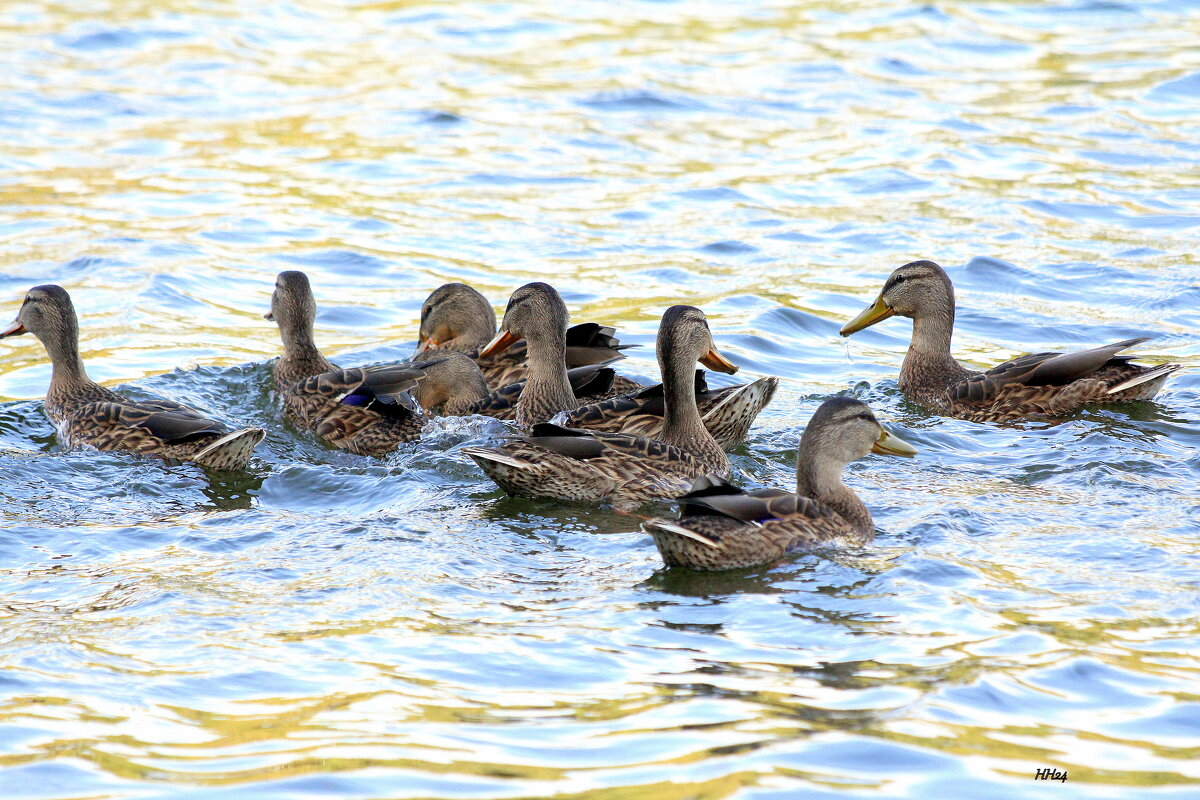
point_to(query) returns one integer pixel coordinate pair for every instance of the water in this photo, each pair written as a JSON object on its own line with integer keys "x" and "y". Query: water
{"x": 331, "y": 625}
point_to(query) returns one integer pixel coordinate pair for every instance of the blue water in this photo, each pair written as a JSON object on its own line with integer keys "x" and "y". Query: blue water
{"x": 329, "y": 625}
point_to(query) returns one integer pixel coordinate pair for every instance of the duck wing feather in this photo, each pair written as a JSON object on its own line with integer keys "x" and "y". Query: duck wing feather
{"x": 1041, "y": 369}
{"x": 383, "y": 388}
{"x": 172, "y": 423}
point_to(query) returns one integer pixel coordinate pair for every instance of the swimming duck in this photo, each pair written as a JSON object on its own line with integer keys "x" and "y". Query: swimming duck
{"x": 572, "y": 464}
{"x": 87, "y": 414}
{"x": 722, "y": 526}
{"x": 364, "y": 410}
{"x": 727, "y": 413}
{"x": 456, "y": 317}
{"x": 1037, "y": 385}
{"x": 537, "y": 314}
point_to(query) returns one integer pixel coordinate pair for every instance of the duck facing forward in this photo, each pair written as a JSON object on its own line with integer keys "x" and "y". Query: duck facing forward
{"x": 88, "y": 414}
{"x": 364, "y": 410}
{"x": 1038, "y": 385}
{"x": 722, "y": 526}
{"x": 579, "y": 465}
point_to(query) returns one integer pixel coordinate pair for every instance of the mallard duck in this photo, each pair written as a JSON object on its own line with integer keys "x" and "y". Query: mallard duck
{"x": 572, "y": 464}
{"x": 722, "y": 526}
{"x": 364, "y": 410}
{"x": 727, "y": 413}
{"x": 1039, "y": 385}
{"x": 87, "y": 414}
{"x": 456, "y": 317}
{"x": 537, "y": 314}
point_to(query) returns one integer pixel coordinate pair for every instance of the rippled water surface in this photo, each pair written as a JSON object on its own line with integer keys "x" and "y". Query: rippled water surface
{"x": 334, "y": 625}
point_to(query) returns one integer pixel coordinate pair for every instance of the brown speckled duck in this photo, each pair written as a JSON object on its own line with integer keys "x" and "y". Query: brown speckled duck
{"x": 571, "y": 464}
{"x": 365, "y": 410}
{"x": 1040, "y": 385}
{"x": 456, "y": 317}
{"x": 87, "y": 414}
{"x": 722, "y": 526}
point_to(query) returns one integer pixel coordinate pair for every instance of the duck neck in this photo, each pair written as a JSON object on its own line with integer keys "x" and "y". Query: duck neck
{"x": 67, "y": 366}
{"x": 928, "y": 362}
{"x": 301, "y": 358}
{"x": 822, "y": 481}
{"x": 454, "y": 385}
{"x": 682, "y": 425}
{"x": 547, "y": 387}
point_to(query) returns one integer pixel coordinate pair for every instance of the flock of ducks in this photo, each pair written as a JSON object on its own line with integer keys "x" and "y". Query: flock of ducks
{"x": 588, "y": 434}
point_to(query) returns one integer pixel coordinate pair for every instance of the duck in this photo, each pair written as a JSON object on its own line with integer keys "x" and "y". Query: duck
{"x": 727, "y": 413}
{"x": 579, "y": 465}
{"x": 536, "y": 313}
{"x": 363, "y": 410}
{"x": 456, "y": 317}
{"x": 1035, "y": 386}
{"x": 722, "y": 526}
{"x": 87, "y": 414}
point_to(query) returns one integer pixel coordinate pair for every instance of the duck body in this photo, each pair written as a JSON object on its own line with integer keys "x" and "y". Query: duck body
{"x": 727, "y": 413}
{"x": 364, "y": 410}
{"x": 99, "y": 418}
{"x": 626, "y": 469}
{"x": 1039, "y": 385}
{"x": 592, "y": 466}
{"x": 86, "y": 414}
{"x": 457, "y": 317}
{"x": 722, "y": 526}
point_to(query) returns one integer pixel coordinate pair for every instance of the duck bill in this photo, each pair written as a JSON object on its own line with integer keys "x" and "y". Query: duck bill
{"x": 717, "y": 362}
{"x": 877, "y": 312}
{"x": 502, "y": 342}
{"x": 428, "y": 343}
{"x": 889, "y": 444}
{"x": 269, "y": 316}
{"x": 16, "y": 329}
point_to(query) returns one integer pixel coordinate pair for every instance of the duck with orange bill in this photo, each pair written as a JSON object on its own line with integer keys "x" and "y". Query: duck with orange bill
{"x": 626, "y": 469}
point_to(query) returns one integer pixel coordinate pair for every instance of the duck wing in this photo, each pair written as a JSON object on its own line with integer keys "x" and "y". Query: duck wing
{"x": 576, "y": 465}
{"x": 384, "y": 388}
{"x": 713, "y": 495}
{"x": 1041, "y": 369}
{"x": 171, "y": 422}
{"x": 584, "y": 445}
{"x": 590, "y": 343}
